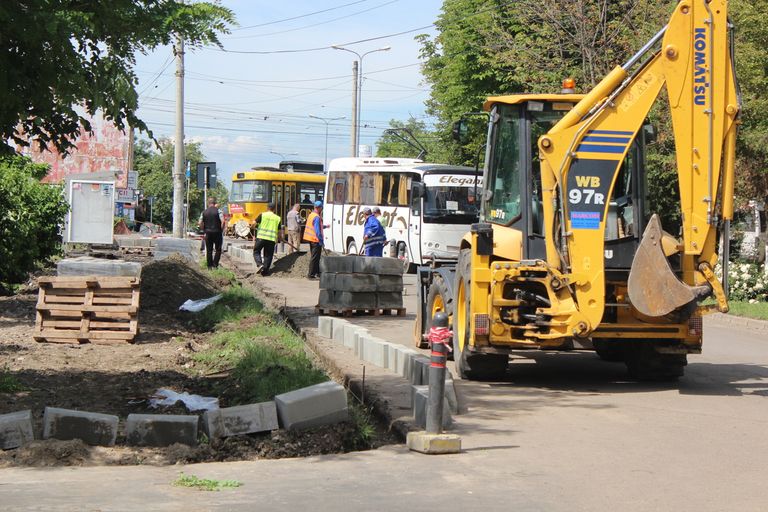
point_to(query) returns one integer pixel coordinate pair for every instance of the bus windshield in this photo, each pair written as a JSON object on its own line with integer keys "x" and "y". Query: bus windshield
{"x": 450, "y": 205}
{"x": 251, "y": 190}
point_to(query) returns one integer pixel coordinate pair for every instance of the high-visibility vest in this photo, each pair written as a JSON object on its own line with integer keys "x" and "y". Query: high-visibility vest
{"x": 268, "y": 226}
{"x": 309, "y": 229}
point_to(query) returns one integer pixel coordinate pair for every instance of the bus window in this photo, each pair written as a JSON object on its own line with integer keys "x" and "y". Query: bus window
{"x": 311, "y": 192}
{"x": 338, "y": 190}
{"x": 395, "y": 189}
{"x": 249, "y": 191}
{"x": 367, "y": 190}
{"x": 353, "y": 188}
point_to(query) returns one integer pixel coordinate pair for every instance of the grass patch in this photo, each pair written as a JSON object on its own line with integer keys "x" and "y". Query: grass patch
{"x": 365, "y": 432}
{"x": 205, "y": 484}
{"x": 757, "y": 310}
{"x": 235, "y": 304}
{"x": 266, "y": 358}
{"x": 9, "y": 383}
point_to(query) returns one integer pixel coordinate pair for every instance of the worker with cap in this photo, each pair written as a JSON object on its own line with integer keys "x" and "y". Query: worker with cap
{"x": 313, "y": 233}
{"x": 374, "y": 236}
{"x": 267, "y": 235}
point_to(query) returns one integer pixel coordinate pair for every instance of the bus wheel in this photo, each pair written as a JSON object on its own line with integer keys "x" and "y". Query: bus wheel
{"x": 352, "y": 247}
{"x": 402, "y": 255}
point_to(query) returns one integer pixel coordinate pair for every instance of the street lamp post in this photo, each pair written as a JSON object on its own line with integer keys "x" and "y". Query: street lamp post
{"x": 326, "y": 120}
{"x": 359, "y": 86}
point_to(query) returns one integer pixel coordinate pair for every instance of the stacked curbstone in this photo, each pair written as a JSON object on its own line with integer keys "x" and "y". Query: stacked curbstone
{"x": 360, "y": 283}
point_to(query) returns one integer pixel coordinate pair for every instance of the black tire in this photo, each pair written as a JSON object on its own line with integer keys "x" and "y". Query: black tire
{"x": 644, "y": 363}
{"x": 610, "y": 350}
{"x": 439, "y": 298}
{"x": 470, "y": 365}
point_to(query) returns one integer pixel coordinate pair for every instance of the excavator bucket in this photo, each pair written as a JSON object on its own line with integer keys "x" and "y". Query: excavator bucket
{"x": 654, "y": 290}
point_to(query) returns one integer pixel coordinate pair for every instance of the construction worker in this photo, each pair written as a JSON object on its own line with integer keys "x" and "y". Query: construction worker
{"x": 313, "y": 233}
{"x": 267, "y": 235}
{"x": 212, "y": 223}
{"x": 374, "y": 236}
{"x": 293, "y": 228}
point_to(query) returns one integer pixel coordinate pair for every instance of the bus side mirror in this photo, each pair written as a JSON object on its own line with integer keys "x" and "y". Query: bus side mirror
{"x": 418, "y": 189}
{"x": 460, "y": 130}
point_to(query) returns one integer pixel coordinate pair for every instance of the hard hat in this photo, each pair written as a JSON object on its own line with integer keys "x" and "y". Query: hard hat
{"x": 318, "y": 204}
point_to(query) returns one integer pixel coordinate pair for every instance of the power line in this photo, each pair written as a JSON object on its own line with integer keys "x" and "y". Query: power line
{"x": 275, "y": 22}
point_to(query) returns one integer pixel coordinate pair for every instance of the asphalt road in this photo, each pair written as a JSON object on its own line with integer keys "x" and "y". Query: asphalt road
{"x": 563, "y": 432}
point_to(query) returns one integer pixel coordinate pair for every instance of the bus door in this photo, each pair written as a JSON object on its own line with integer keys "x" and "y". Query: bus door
{"x": 338, "y": 192}
{"x": 414, "y": 229}
{"x": 277, "y": 199}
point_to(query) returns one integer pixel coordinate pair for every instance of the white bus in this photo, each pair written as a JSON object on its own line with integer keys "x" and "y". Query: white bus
{"x": 426, "y": 208}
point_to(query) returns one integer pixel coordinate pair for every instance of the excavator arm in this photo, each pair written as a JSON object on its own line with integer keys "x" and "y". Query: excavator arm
{"x": 582, "y": 154}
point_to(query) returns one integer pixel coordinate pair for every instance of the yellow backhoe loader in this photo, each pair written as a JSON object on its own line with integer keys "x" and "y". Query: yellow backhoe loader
{"x": 568, "y": 254}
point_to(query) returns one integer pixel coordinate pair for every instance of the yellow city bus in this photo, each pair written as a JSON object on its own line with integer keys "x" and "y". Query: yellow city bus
{"x": 253, "y": 190}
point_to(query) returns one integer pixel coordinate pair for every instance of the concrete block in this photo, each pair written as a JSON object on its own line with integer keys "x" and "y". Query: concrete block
{"x": 328, "y": 281}
{"x": 16, "y": 429}
{"x": 337, "y": 264}
{"x": 420, "y": 399}
{"x": 321, "y": 404}
{"x": 327, "y": 299}
{"x": 379, "y": 266}
{"x": 91, "y": 427}
{"x": 420, "y": 370}
{"x": 358, "y": 333}
{"x": 392, "y": 357}
{"x": 376, "y": 351}
{"x": 125, "y": 240}
{"x": 143, "y": 242}
{"x": 325, "y": 326}
{"x": 389, "y": 300}
{"x": 355, "y": 283}
{"x": 88, "y": 266}
{"x": 405, "y": 361}
{"x": 450, "y": 395}
{"x": 356, "y": 300}
{"x": 337, "y": 329}
{"x": 389, "y": 283}
{"x": 433, "y": 444}
{"x": 161, "y": 429}
{"x": 240, "y": 420}
{"x": 350, "y": 331}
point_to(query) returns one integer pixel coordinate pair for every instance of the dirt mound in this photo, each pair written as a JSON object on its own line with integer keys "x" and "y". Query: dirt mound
{"x": 166, "y": 284}
{"x": 292, "y": 265}
{"x": 51, "y": 452}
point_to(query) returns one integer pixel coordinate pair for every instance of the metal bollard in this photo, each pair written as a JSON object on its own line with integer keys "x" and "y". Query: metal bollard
{"x": 438, "y": 336}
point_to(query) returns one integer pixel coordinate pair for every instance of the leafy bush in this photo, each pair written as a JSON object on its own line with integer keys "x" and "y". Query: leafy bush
{"x": 747, "y": 282}
{"x": 30, "y": 216}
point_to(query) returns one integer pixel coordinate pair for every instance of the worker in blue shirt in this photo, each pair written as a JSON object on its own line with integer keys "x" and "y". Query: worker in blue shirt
{"x": 374, "y": 236}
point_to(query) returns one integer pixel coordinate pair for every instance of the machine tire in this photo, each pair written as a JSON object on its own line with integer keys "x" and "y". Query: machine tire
{"x": 469, "y": 365}
{"x": 610, "y": 350}
{"x": 438, "y": 299}
{"x": 644, "y": 363}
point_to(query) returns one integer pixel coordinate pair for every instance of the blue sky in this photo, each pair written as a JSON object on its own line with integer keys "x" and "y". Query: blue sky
{"x": 244, "y": 106}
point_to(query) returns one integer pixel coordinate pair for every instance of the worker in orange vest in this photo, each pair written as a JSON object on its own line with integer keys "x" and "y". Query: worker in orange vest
{"x": 313, "y": 233}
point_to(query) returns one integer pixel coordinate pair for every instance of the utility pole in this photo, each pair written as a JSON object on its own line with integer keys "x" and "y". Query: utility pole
{"x": 354, "y": 108}
{"x": 178, "y": 156}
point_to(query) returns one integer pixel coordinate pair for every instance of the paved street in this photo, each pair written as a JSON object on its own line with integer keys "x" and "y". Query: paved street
{"x": 565, "y": 432}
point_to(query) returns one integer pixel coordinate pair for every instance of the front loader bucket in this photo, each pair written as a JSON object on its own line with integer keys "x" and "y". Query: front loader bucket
{"x": 654, "y": 290}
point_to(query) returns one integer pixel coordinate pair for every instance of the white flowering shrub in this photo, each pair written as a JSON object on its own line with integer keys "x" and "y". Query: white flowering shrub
{"x": 747, "y": 282}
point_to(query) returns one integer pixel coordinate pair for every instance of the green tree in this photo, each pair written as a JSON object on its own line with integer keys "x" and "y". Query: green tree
{"x": 30, "y": 218}
{"x": 58, "y": 54}
{"x": 155, "y": 179}
{"x": 392, "y": 144}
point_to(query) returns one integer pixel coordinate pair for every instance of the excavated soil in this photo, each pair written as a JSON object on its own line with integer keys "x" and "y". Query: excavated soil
{"x": 119, "y": 379}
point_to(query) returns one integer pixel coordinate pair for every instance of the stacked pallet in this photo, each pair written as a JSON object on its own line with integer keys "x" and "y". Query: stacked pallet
{"x": 95, "y": 309}
{"x": 360, "y": 284}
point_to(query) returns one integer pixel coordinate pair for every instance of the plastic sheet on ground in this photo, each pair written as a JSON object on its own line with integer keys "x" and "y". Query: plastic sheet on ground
{"x": 198, "y": 305}
{"x": 191, "y": 402}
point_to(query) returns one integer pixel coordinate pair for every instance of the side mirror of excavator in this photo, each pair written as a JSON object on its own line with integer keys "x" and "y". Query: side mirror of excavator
{"x": 460, "y": 130}
{"x": 649, "y": 133}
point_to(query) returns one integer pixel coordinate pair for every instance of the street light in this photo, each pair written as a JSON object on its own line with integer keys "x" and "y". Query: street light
{"x": 326, "y": 120}
{"x": 359, "y": 86}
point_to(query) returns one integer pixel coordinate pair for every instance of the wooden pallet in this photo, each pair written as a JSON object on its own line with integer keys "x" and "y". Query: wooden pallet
{"x": 355, "y": 311}
{"x": 80, "y": 309}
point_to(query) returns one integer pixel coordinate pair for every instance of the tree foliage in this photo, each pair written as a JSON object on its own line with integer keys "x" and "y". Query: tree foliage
{"x": 30, "y": 216}
{"x": 60, "y": 54}
{"x": 392, "y": 144}
{"x": 156, "y": 179}
{"x": 491, "y": 47}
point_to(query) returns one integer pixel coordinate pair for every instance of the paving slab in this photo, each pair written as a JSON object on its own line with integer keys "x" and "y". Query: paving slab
{"x": 92, "y": 428}
{"x": 89, "y": 266}
{"x": 325, "y": 326}
{"x": 313, "y": 406}
{"x": 240, "y": 420}
{"x": 16, "y": 429}
{"x": 389, "y": 283}
{"x": 161, "y": 429}
{"x": 355, "y": 283}
{"x": 376, "y": 351}
{"x": 337, "y": 329}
